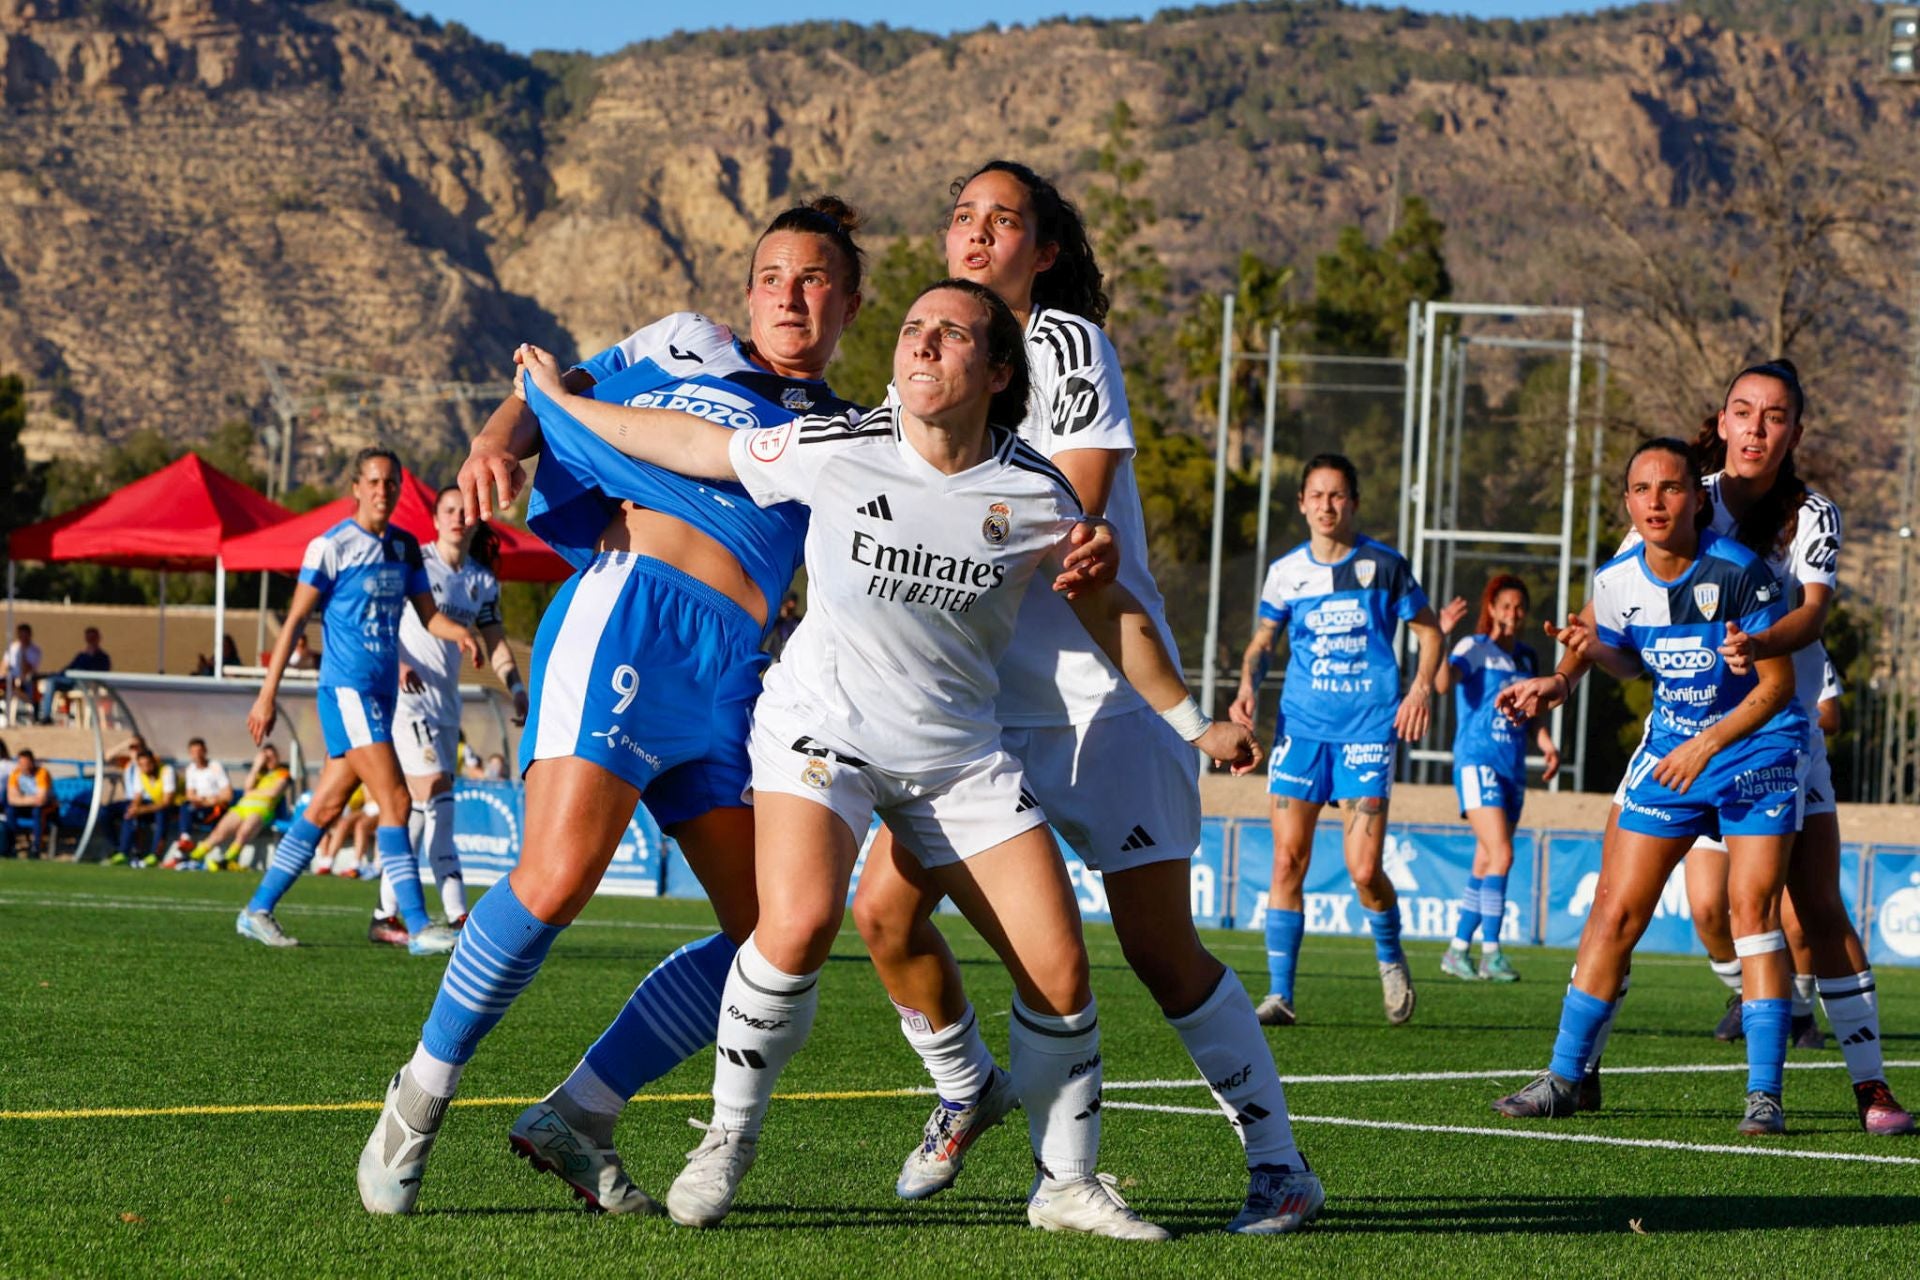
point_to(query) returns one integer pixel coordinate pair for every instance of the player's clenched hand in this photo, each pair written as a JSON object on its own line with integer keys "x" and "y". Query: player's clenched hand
{"x": 1522, "y": 700}
{"x": 1092, "y": 559}
{"x": 1577, "y": 636}
{"x": 260, "y": 718}
{"x": 410, "y": 681}
{"x": 490, "y": 480}
{"x": 1241, "y": 710}
{"x": 470, "y": 648}
{"x": 1230, "y": 744}
{"x": 1680, "y": 766}
{"x": 1415, "y": 714}
{"x": 1551, "y": 754}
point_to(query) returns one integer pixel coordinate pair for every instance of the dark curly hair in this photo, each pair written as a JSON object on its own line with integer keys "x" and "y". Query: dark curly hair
{"x": 1006, "y": 349}
{"x": 1073, "y": 283}
{"x": 1769, "y": 524}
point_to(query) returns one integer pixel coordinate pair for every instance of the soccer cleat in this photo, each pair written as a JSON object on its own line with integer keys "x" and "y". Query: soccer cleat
{"x": 1279, "y": 1200}
{"x": 935, "y": 1163}
{"x": 434, "y": 940}
{"x": 387, "y": 931}
{"x": 395, "y": 1157}
{"x": 1545, "y": 1097}
{"x": 458, "y": 922}
{"x": 216, "y": 861}
{"x": 262, "y": 928}
{"x": 1454, "y": 963}
{"x": 543, "y": 1138}
{"x": 704, "y": 1191}
{"x": 1497, "y": 968}
{"x": 1396, "y": 991}
{"x": 1730, "y": 1026}
{"x": 1764, "y": 1115}
{"x": 1088, "y": 1205}
{"x": 171, "y": 861}
{"x": 1804, "y": 1032}
{"x": 1275, "y": 1011}
{"x": 1880, "y": 1115}
{"x": 1588, "y": 1097}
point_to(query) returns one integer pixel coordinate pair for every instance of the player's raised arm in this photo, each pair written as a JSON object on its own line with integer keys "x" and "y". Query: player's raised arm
{"x": 680, "y": 442}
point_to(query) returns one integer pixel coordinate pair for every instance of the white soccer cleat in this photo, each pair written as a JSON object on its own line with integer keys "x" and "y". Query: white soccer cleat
{"x": 1279, "y": 1200}
{"x": 1396, "y": 991}
{"x": 935, "y": 1163}
{"x": 1088, "y": 1205}
{"x": 543, "y": 1138}
{"x": 262, "y": 928}
{"x": 703, "y": 1193}
{"x": 434, "y": 940}
{"x": 395, "y": 1157}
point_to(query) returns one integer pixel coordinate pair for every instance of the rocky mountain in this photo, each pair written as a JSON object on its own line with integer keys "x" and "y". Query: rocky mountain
{"x": 373, "y": 202}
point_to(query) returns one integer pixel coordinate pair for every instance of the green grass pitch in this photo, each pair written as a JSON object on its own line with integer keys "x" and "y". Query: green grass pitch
{"x": 126, "y": 990}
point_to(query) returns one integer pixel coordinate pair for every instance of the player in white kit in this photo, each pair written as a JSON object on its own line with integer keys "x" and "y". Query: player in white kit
{"x": 426, "y": 734}
{"x": 1118, "y": 783}
{"x": 927, "y": 526}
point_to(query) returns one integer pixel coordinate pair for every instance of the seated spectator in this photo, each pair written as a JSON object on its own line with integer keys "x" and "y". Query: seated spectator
{"x": 21, "y": 671}
{"x": 496, "y": 770}
{"x": 90, "y": 658}
{"x": 30, "y": 804}
{"x": 152, "y": 796}
{"x": 267, "y": 784}
{"x": 302, "y": 658}
{"x": 209, "y": 792}
{"x": 229, "y": 652}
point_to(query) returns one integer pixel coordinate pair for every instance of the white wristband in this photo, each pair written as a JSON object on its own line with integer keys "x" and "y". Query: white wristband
{"x": 1187, "y": 719}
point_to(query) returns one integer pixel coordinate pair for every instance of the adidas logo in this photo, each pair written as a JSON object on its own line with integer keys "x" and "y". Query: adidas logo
{"x": 1136, "y": 839}
{"x": 1252, "y": 1113}
{"x": 1863, "y": 1036}
{"x": 1090, "y": 1112}
{"x": 878, "y": 509}
{"x": 1027, "y": 801}
{"x": 742, "y": 1057}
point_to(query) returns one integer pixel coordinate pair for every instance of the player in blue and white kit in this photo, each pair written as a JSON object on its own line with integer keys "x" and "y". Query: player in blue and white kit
{"x": 1340, "y": 596}
{"x": 1489, "y": 763}
{"x": 361, "y": 574}
{"x": 1725, "y": 753}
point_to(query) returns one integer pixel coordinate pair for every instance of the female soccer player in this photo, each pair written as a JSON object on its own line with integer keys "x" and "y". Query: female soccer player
{"x": 883, "y": 701}
{"x": 361, "y": 574}
{"x": 1070, "y": 717}
{"x": 459, "y": 563}
{"x": 1341, "y": 595}
{"x": 645, "y": 669}
{"x": 1489, "y": 763}
{"x": 1725, "y": 750}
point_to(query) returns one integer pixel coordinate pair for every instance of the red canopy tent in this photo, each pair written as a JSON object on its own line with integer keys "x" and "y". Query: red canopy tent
{"x": 177, "y": 518}
{"x": 523, "y": 557}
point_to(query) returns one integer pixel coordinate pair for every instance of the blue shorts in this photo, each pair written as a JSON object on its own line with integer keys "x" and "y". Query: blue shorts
{"x": 651, "y": 674}
{"x": 1302, "y": 769}
{"x": 1739, "y": 793}
{"x": 1481, "y": 786}
{"x": 350, "y": 718}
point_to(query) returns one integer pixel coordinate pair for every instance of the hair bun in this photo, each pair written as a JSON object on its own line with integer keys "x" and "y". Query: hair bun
{"x": 1781, "y": 362}
{"x": 839, "y": 210}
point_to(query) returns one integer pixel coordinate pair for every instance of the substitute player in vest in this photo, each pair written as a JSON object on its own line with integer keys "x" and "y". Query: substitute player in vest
{"x": 459, "y": 564}
{"x": 883, "y": 701}
{"x": 645, "y": 670}
{"x": 1341, "y": 596}
{"x": 361, "y": 574}
{"x": 1489, "y": 763}
{"x": 1114, "y": 779}
{"x": 1725, "y": 753}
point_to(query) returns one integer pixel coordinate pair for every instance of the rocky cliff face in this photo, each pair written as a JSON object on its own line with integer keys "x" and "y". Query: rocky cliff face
{"x": 188, "y": 187}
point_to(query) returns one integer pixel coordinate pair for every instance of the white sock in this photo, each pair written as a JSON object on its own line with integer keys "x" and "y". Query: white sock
{"x": 1606, "y": 1028}
{"x": 955, "y": 1057}
{"x": 765, "y": 1015}
{"x": 1056, "y": 1072}
{"x": 434, "y": 1076}
{"x": 1459, "y": 944}
{"x": 389, "y": 905}
{"x": 1488, "y": 949}
{"x": 1853, "y": 1011}
{"x": 1225, "y": 1041}
{"x": 587, "y": 1091}
{"x": 1803, "y": 991}
{"x": 1728, "y": 971}
{"x": 442, "y": 857}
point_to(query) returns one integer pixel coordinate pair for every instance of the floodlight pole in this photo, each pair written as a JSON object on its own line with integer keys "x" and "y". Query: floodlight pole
{"x": 1266, "y": 465}
{"x": 1210, "y": 679}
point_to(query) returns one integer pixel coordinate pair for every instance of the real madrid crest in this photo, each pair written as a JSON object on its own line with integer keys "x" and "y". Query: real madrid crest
{"x": 998, "y": 524}
{"x": 1364, "y": 571}
{"x": 1706, "y": 596}
{"x": 817, "y": 775}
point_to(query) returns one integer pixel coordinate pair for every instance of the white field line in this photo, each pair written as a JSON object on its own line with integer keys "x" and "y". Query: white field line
{"x": 1423, "y": 1077}
{"x": 1541, "y": 1135}
{"x": 103, "y": 903}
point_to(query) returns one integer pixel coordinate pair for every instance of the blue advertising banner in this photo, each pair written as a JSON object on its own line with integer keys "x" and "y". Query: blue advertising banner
{"x": 488, "y": 823}
{"x": 1895, "y": 938}
{"x": 1573, "y": 872}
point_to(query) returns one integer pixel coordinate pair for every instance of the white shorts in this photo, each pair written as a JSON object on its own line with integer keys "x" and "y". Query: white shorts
{"x": 1817, "y": 790}
{"x": 425, "y": 748}
{"x": 941, "y": 815}
{"x": 1123, "y": 790}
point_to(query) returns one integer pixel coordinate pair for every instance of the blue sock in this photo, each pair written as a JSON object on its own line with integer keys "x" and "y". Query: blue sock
{"x": 1581, "y": 1017}
{"x": 669, "y": 1017}
{"x": 1386, "y": 934}
{"x": 501, "y": 947}
{"x": 1766, "y": 1023}
{"x": 290, "y": 858}
{"x": 1285, "y": 929}
{"x": 402, "y": 872}
{"x": 1469, "y": 913}
{"x": 1493, "y": 907}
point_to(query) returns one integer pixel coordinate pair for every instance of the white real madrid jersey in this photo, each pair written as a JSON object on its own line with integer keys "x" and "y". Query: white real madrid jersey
{"x": 914, "y": 579}
{"x": 471, "y": 597}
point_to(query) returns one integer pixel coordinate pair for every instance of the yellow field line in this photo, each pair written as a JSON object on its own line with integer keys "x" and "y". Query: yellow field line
{"x": 276, "y": 1108}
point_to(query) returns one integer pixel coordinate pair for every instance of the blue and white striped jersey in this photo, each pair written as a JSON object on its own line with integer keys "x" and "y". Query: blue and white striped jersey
{"x": 1677, "y": 628}
{"x": 364, "y": 582}
{"x": 1342, "y": 683}
{"x": 1482, "y": 733}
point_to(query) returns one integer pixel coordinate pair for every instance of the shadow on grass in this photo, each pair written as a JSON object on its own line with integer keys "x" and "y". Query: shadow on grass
{"x": 1657, "y": 1213}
